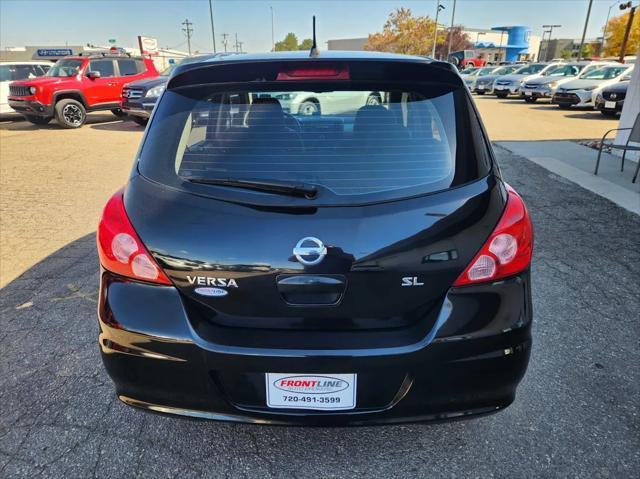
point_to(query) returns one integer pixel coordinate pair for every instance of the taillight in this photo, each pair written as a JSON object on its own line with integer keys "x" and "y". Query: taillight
{"x": 508, "y": 249}
{"x": 119, "y": 247}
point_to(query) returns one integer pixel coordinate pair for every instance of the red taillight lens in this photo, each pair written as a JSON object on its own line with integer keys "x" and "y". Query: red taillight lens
{"x": 119, "y": 247}
{"x": 314, "y": 71}
{"x": 508, "y": 249}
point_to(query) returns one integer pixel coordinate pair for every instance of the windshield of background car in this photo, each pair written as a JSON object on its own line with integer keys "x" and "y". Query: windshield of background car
{"x": 467, "y": 71}
{"x": 485, "y": 71}
{"x": 605, "y": 73}
{"x": 504, "y": 70}
{"x": 374, "y": 143}
{"x": 13, "y": 72}
{"x": 562, "y": 71}
{"x": 529, "y": 69}
{"x": 65, "y": 68}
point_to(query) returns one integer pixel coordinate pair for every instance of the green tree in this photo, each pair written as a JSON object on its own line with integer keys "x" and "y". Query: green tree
{"x": 290, "y": 44}
{"x": 566, "y": 54}
{"x": 306, "y": 44}
{"x": 587, "y": 51}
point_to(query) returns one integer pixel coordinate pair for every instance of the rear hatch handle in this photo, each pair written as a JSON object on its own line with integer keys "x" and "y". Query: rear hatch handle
{"x": 309, "y": 290}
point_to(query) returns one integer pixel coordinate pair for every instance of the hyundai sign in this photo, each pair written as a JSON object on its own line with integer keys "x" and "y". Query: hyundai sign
{"x": 53, "y": 52}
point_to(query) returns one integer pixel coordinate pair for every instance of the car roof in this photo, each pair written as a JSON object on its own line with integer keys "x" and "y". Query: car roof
{"x": 94, "y": 56}
{"x": 12, "y": 62}
{"x": 303, "y": 55}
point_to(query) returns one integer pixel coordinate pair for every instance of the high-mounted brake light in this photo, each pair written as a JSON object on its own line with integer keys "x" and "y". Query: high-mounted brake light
{"x": 314, "y": 71}
{"x": 508, "y": 249}
{"x": 120, "y": 248}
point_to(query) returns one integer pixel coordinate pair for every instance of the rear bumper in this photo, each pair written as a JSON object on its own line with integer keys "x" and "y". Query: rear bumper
{"x": 30, "y": 107}
{"x": 470, "y": 362}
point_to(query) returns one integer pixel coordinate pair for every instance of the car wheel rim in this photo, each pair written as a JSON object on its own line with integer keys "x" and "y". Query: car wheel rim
{"x": 72, "y": 115}
{"x": 309, "y": 109}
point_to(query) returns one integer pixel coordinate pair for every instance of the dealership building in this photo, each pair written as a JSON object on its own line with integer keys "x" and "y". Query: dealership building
{"x": 162, "y": 57}
{"x": 504, "y": 43}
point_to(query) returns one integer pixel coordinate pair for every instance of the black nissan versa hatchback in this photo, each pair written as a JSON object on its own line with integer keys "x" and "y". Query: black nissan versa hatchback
{"x": 358, "y": 262}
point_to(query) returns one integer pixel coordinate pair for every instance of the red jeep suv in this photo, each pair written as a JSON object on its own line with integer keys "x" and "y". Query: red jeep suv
{"x": 77, "y": 85}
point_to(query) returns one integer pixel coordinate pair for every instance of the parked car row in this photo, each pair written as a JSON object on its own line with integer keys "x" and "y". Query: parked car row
{"x": 600, "y": 85}
{"x": 76, "y": 85}
{"x": 130, "y": 87}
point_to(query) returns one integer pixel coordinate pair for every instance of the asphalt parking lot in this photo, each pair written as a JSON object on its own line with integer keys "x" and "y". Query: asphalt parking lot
{"x": 576, "y": 414}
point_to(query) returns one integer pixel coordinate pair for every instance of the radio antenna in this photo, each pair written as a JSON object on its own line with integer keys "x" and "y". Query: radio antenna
{"x": 314, "y": 48}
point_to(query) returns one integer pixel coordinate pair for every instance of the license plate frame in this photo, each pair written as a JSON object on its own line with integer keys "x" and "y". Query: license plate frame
{"x": 318, "y": 392}
{"x": 528, "y": 93}
{"x": 610, "y": 105}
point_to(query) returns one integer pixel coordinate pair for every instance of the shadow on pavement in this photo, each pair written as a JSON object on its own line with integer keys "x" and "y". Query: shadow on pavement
{"x": 20, "y": 124}
{"x": 590, "y": 115}
{"x": 124, "y": 125}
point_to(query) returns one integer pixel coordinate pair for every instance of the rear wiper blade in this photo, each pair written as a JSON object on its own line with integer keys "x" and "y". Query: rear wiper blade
{"x": 269, "y": 186}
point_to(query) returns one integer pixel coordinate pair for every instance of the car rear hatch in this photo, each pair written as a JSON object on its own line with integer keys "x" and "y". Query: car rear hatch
{"x": 351, "y": 223}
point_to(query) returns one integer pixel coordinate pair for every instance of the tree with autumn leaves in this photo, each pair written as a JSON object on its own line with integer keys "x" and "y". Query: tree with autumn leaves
{"x": 404, "y": 33}
{"x": 614, "y": 34}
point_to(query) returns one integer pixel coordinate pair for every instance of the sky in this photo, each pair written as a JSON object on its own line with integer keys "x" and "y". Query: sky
{"x": 78, "y": 22}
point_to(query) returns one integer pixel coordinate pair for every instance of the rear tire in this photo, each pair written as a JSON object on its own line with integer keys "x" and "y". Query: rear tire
{"x": 502, "y": 94}
{"x": 118, "y": 112}
{"x": 609, "y": 113}
{"x": 37, "y": 120}
{"x": 139, "y": 120}
{"x": 529, "y": 99}
{"x": 564, "y": 106}
{"x": 70, "y": 113}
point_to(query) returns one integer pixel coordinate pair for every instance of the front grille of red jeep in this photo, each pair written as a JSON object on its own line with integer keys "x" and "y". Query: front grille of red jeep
{"x": 19, "y": 90}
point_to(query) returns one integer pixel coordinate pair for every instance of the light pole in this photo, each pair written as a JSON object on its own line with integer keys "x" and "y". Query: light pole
{"x": 213, "y": 32}
{"x": 478, "y": 37}
{"x": 225, "y": 42}
{"x": 606, "y": 24}
{"x": 435, "y": 30}
{"x": 273, "y": 35}
{"x": 546, "y": 50}
{"x": 188, "y": 31}
{"x": 584, "y": 32}
{"x": 453, "y": 15}
{"x": 624, "y": 6}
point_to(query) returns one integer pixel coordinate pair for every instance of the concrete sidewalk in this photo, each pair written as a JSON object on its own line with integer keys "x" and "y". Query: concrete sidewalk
{"x": 576, "y": 163}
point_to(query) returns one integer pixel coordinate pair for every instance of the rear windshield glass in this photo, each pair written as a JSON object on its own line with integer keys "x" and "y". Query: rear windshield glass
{"x": 380, "y": 143}
{"x": 530, "y": 69}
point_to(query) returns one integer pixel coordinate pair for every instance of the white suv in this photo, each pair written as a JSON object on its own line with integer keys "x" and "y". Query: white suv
{"x": 11, "y": 71}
